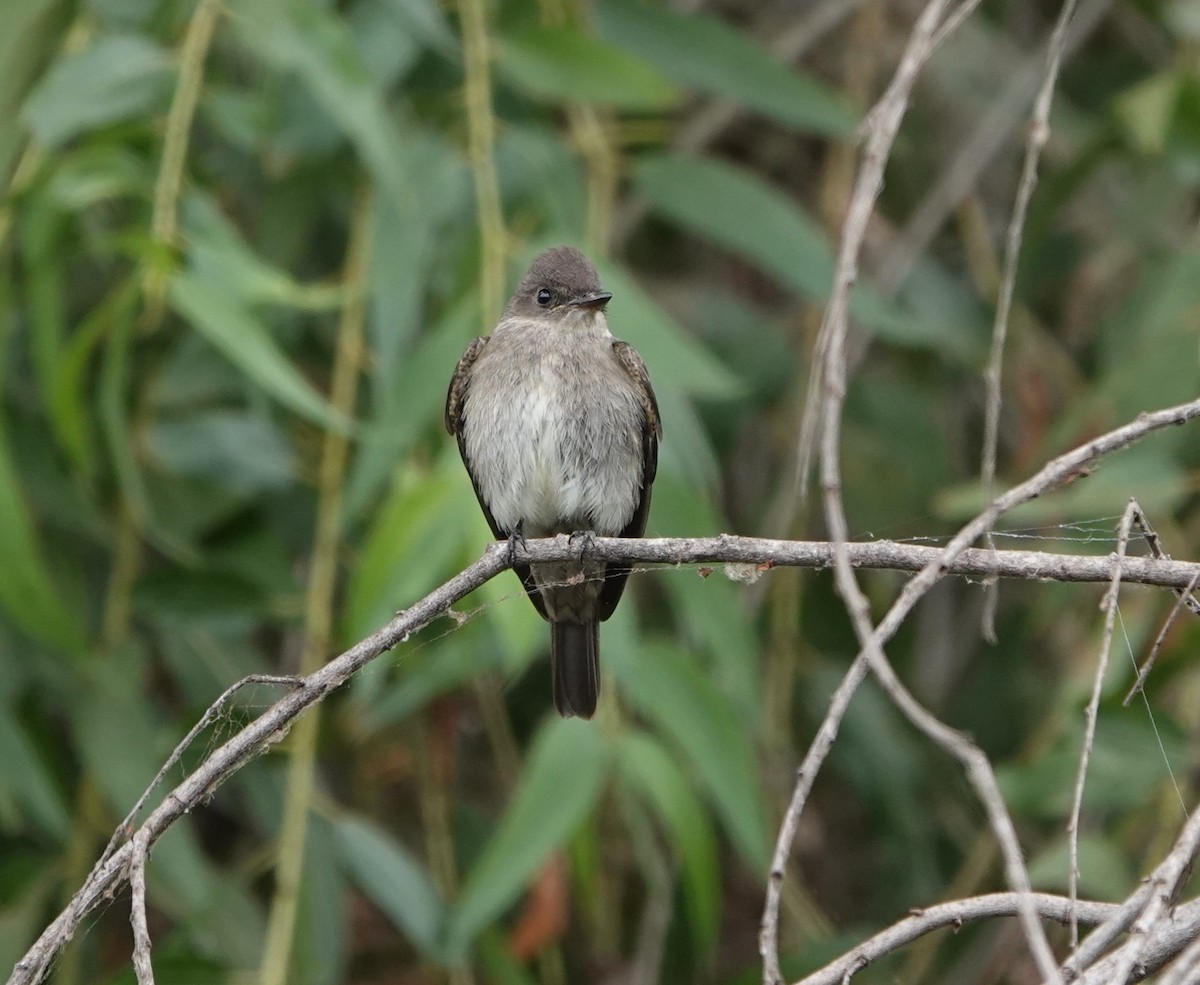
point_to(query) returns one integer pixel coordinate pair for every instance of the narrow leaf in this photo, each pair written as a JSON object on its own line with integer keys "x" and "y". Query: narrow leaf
{"x": 562, "y": 779}
{"x": 562, "y": 64}
{"x": 393, "y": 879}
{"x": 118, "y": 77}
{"x": 741, "y": 212}
{"x": 652, "y": 772}
{"x": 695, "y": 49}
{"x": 674, "y": 693}
{"x": 245, "y": 341}
{"x": 27, "y": 591}
{"x": 310, "y": 40}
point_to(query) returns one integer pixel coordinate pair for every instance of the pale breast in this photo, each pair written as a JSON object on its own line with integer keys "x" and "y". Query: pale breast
{"x": 553, "y": 434}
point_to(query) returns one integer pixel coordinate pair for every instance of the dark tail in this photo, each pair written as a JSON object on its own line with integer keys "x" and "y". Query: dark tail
{"x": 575, "y": 665}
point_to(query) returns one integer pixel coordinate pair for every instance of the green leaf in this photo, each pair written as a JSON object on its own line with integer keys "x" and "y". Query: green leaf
{"x": 313, "y": 42}
{"x": 113, "y": 399}
{"x": 1129, "y": 760}
{"x": 241, "y": 452}
{"x": 1147, "y": 110}
{"x": 562, "y": 779}
{"x": 562, "y": 64}
{"x": 695, "y": 49}
{"x": 413, "y": 522}
{"x": 96, "y": 173}
{"x": 44, "y": 256}
{"x": 117, "y": 78}
{"x": 218, "y": 254}
{"x": 29, "y": 33}
{"x": 651, "y": 771}
{"x": 245, "y": 341}
{"x": 27, "y": 592}
{"x": 69, "y": 392}
{"x": 414, "y": 399}
{"x": 323, "y": 914}
{"x": 740, "y": 211}
{"x": 26, "y": 780}
{"x": 670, "y": 689}
{"x": 1104, "y": 869}
{"x": 1145, "y": 339}
{"x": 393, "y": 880}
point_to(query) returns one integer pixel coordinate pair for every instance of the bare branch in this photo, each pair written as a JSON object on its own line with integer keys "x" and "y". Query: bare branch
{"x": 1157, "y": 934}
{"x": 884, "y": 125}
{"x": 1144, "y": 671}
{"x": 953, "y": 914}
{"x": 1035, "y": 142}
{"x": 139, "y": 851}
{"x": 269, "y": 728}
{"x": 1183, "y": 969}
{"x": 113, "y": 868}
{"x": 1150, "y": 943}
{"x": 1093, "y": 713}
{"x": 1156, "y": 550}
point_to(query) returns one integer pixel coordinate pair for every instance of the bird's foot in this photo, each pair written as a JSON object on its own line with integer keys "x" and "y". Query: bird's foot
{"x": 517, "y": 537}
{"x": 583, "y": 539}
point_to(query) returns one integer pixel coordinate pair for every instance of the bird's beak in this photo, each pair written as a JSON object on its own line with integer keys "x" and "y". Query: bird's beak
{"x": 593, "y": 301}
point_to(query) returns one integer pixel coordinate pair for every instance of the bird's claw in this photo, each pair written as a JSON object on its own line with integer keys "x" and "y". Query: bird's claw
{"x": 516, "y": 537}
{"x": 584, "y": 538}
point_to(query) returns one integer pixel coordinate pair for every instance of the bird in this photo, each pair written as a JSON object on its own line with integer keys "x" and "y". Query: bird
{"x": 558, "y": 427}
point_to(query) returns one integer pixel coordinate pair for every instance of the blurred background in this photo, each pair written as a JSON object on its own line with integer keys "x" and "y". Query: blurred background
{"x": 242, "y": 246}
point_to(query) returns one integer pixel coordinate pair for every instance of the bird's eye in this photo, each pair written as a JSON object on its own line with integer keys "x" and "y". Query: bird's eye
{"x": 544, "y": 297}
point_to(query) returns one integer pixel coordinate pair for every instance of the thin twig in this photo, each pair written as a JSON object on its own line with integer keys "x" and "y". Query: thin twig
{"x": 164, "y": 220}
{"x": 1035, "y": 143}
{"x": 1093, "y": 713}
{"x": 139, "y": 852}
{"x": 879, "y": 129}
{"x": 884, "y": 124}
{"x": 1099, "y": 940}
{"x": 953, "y": 914}
{"x": 1142, "y": 949}
{"x": 319, "y": 599}
{"x": 818, "y": 750}
{"x": 271, "y": 726}
{"x": 1154, "y": 542}
{"x": 481, "y": 136}
{"x": 257, "y": 736}
{"x": 1142, "y": 913}
{"x": 1148, "y": 663}
{"x": 125, "y": 829}
{"x": 989, "y": 134}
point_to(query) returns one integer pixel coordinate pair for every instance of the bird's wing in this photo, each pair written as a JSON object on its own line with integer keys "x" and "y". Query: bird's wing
{"x": 456, "y": 398}
{"x": 456, "y": 395}
{"x": 631, "y": 362}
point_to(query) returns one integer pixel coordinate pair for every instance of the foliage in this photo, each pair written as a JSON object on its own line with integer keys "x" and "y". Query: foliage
{"x": 174, "y": 290}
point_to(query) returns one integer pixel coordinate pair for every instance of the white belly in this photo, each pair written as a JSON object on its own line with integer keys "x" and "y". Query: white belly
{"x": 553, "y": 449}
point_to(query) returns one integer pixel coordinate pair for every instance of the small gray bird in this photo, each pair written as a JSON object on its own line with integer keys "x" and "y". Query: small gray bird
{"x": 558, "y": 427}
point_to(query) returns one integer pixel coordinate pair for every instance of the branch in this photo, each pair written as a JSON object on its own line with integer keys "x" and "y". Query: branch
{"x": 112, "y": 869}
{"x": 1035, "y": 141}
{"x": 928, "y": 919}
{"x": 1092, "y": 714}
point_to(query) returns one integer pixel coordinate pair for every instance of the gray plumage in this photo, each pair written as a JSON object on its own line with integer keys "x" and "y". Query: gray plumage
{"x": 558, "y": 427}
